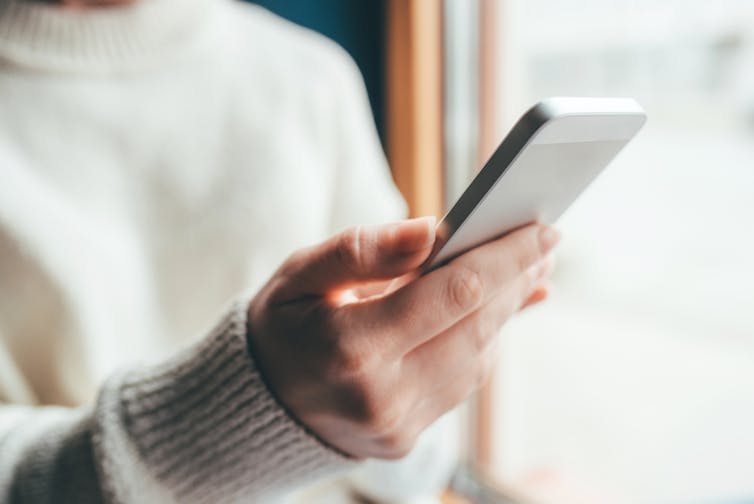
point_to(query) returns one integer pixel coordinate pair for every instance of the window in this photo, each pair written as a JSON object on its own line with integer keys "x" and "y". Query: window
{"x": 635, "y": 382}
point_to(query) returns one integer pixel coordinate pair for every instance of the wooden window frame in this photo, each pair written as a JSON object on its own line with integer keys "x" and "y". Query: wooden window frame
{"x": 415, "y": 141}
{"x": 415, "y": 102}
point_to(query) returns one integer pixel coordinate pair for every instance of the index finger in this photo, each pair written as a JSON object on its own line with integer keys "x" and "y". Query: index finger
{"x": 431, "y": 304}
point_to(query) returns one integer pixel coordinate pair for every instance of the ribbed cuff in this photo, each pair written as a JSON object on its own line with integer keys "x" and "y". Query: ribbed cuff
{"x": 206, "y": 426}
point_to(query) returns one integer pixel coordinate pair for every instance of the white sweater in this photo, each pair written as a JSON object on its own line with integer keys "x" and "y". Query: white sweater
{"x": 156, "y": 161}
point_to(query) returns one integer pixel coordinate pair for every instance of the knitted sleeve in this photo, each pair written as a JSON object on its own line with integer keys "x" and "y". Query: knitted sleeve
{"x": 202, "y": 427}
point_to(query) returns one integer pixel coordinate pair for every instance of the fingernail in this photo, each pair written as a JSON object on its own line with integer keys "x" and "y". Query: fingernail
{"x": 415, "y": 234}
{"x": 548, "y": 238}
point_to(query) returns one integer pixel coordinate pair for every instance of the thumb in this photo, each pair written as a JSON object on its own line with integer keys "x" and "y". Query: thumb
{"x": 360, "y": 254}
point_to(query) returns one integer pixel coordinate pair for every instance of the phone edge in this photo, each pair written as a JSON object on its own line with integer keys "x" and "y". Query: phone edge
{"x": 495, "y": 167}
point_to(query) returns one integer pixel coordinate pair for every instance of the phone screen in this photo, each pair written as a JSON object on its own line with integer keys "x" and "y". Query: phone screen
{"x": 538, "y": 185}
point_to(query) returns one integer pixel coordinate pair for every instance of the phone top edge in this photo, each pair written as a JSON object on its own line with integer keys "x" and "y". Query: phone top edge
{"x": 563, "y": 106}
{"x": 522, "y": 133}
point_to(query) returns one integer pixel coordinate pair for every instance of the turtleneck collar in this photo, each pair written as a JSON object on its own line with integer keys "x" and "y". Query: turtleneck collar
{"x": 98, "y": 40}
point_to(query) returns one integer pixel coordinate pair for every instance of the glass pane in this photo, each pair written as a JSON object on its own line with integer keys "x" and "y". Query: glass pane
{"x": 635, "y": 381}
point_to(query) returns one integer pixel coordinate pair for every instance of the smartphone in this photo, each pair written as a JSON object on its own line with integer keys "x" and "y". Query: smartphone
{"x": 549, "y": 157}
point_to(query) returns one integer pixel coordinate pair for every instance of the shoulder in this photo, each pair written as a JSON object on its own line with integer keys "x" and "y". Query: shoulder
{"x": 289, "y": 51}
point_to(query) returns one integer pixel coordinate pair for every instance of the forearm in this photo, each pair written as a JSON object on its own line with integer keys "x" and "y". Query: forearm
{"x": 202, "y": 427}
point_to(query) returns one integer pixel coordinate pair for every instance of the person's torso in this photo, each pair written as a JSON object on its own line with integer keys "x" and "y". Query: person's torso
{"x": 136, "y": 206}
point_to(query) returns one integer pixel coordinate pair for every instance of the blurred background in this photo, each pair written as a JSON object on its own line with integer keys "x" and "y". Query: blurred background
{"x": 637, "y": 376}
{"x": 635, "y": 381}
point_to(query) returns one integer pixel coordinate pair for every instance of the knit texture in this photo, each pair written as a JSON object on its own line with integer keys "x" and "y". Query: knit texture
{"x": 37, "y": 34}
{"x": 57, "y": 467}
{"x": 207, "y": 427}
{"x": 157, "y": 160}
{"x": 200, "y": 428}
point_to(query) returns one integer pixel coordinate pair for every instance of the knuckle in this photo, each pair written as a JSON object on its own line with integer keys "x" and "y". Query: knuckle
{"x": 465, "y": 289}
{"x": 528, "y": 252}
{"x": 398, "y": 444}
{"x": 380, "y": 415}
{"x": 348, "y": 364}
{"x": 359, "y": 403}
{"x": 345, "y": 358}
{"x": 531, "y": 275}
{"x": 348, "y": 249}
{"x": 484, "y": 332}
{"x": 366, "y": 396}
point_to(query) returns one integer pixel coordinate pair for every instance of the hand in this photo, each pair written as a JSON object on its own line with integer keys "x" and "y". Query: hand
{"x": 368, "y": 374}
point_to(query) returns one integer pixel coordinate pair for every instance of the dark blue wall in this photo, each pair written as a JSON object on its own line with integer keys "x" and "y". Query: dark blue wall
{"x": 357, "y": 25}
